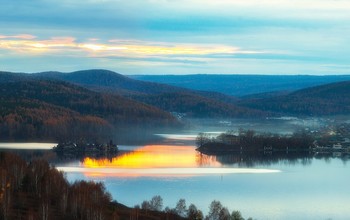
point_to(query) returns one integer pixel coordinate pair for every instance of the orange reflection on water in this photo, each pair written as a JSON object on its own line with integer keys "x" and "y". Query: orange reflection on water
{"x": 154, "y": 156}
{"x": 150, "y": 160}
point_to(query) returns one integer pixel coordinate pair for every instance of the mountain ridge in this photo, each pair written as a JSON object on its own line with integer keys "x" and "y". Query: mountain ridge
{"x": 240, "y": 85}
{"x": 193, "y": 103}
{"x": 328, "y": 99}
{"x": 52, "y": 109}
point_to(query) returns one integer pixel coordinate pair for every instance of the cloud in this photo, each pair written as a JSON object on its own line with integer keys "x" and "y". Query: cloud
{"x": 201, "y": 35}
{"x": 114, "y": 47}
{"x": 20, "y": 36}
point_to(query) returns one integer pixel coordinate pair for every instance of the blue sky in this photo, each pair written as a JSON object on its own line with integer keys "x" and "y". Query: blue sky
{"x": 176, "y": 36}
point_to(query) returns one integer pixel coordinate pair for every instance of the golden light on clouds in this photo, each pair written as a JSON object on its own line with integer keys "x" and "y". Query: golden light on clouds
{"x": 28, "y": 44}
{"x": 20, "y": 36}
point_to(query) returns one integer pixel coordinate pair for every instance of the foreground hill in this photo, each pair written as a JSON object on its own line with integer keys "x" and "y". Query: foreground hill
{"x": 36, "y": 190}
{"x": 242, "y": 85}
{"x": 329, "y": 99}
{"x": 47, "y": 109}
{"x": 168, "y": 98}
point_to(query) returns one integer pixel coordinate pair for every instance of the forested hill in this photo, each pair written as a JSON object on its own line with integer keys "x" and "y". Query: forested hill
{"x": 200, "y": 106}
{"x": 112, "y": 82}
{"x": 109, "y": 81}
{"x": 242, "y": 85}
{"x": 169, "y": 98}
{"x": 125, "y": 95}
{"x": 329, "y": 99}
{"x": 47, "y": 109}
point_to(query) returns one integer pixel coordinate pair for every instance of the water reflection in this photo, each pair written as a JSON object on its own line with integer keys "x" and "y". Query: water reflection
{"x": 270, "y": 159}
{"x": 27, "y": 146}
{"x": 158, "y": 161}
{"x": 174, "y": 160}
{"x": 254, "y": 160}
{"x": 154, "y": 156}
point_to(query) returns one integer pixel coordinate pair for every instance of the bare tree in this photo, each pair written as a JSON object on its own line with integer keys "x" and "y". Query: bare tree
{"x": 236, "y": 215}
{"x": 202, "y": 139}
{"x": 224, "y": 214}
{"x": 180, "y": 208}
{"x": 193, "y": 213}
{"x": 156, "y": 203}
{"x": 214, "y": 210}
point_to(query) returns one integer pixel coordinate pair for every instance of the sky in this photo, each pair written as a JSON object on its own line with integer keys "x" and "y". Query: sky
{"x": 176, "y": 36}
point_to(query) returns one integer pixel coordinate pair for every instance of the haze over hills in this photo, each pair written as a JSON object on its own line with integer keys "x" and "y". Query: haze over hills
{"x": 242, "y": 85}
{"x": 200, "y": 106}
{"x": 54, "y": 104}
{"x": 168, "y": 98}
{"x": 328, "y": 99}
{"x": 215, "y": 104}
{"x": 49, "y": 109}
{"x": 109, "y": 81}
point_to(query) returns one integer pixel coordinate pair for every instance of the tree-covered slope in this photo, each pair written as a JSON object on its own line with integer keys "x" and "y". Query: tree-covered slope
{"x": 53, "y": 109}
{"x": 242, "y": 85}
{"x": 109, "y": 81}
{"x": 168, "y": 98}
{"x": 329, "y": 99}
{"x": 193, "y": 105}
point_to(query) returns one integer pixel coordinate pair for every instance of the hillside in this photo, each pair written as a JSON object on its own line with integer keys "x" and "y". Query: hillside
{"x": 108, "y": 81}
{"x": 36, "y": 190}
{"x": 193, "y": 105}
{"x": 242, "y": 85}
{"x": 329, "y": 99}
{"x": 43, "y": 109}
{"x": 169, "y": 98}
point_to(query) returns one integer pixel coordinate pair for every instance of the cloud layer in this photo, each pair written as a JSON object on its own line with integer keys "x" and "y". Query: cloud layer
{"x": 176, "y": 36}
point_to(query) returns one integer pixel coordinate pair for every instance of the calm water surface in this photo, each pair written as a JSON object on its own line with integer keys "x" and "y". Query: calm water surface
{"x": 304, "y": 188}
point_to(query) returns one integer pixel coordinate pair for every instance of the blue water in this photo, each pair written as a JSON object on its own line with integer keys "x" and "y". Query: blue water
{"x": 313, "y": 188}
{"x": 302, "y": 189}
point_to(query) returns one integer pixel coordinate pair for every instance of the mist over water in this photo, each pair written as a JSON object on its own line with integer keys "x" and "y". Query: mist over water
{"x": 277, "y": 186}
{"x": 27, "y": 146}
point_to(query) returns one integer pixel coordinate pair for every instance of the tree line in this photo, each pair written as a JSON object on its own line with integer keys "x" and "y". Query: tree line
{"x": 35, "y": 190}
{"x": 54, "y": 110}
{"x": 251, "y": 141}
{"x": 216, "y": 210}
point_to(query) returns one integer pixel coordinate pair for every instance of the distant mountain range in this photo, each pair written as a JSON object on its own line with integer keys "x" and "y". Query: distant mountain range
{"x": 243, "y": 85}
{"x": 96, "y": 103}
{"x": 168, "y": 98}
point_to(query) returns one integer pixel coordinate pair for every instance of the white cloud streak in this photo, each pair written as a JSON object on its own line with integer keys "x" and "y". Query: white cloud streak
{"x": 120, "y": 48}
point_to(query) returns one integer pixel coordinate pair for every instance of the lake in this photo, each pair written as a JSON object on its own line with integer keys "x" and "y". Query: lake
{"x": 268, "y": 188}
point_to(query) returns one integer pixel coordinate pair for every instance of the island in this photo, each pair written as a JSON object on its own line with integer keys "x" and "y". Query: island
{"x": 78, "y": 149}
{"x": 328, "y": 140}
